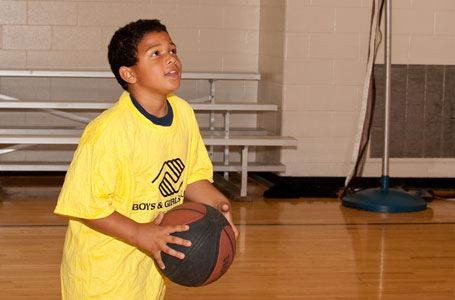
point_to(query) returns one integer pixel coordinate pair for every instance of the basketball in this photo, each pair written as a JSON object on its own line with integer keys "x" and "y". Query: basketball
{"x": 213, "y": 245}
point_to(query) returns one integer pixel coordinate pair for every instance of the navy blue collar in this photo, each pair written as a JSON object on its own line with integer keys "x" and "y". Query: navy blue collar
{"x": 164, "y": 121}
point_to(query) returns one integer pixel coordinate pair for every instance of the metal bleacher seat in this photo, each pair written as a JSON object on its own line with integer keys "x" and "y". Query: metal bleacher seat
{"x": 14, "y": 138}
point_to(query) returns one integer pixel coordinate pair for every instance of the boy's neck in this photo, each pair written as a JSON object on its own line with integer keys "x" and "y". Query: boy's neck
{"x": 154, "y": 105}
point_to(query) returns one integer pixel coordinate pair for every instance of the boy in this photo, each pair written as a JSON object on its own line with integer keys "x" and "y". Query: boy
{"x": 135, "y": 161}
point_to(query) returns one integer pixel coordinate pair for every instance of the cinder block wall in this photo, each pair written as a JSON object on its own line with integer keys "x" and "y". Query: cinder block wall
{"x": 212, "y": 36}
{"x": 271, "y": 63}
{"x": 311, "y": 54}
{"x": 324, "y": 64}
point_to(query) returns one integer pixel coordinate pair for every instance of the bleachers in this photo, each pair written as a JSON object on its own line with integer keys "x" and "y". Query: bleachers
{"x": 15, "y": 138}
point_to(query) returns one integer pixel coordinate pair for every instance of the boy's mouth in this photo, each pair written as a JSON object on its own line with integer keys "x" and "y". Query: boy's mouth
{"x": 172, "y": 73}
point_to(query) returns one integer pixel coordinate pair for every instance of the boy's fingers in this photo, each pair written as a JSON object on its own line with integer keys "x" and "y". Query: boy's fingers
{"x": 236, "y": 232}
{"x": 178, "y": 241}
{"x": 159, "y": 261}
{"x": 168, "y": 250}
{"x": 225, "y": 207}
{"x": 179, "y": 228}
{"x": 158, "y": 219}
{"x": 173, "y": 252}
{"x": 170, "y": 239}
{"x": 229, "y": 218}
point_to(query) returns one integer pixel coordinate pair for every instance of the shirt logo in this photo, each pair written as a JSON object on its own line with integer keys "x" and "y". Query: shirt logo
{"x": 169, "y": 177}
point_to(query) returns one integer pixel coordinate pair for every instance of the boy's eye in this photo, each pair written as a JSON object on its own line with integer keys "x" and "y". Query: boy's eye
{"x": 173, "y": 51}
{"x": 155, "y": 53}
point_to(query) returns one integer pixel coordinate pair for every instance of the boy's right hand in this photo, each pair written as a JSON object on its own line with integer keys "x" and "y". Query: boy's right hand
{"x": 155, "y": 239}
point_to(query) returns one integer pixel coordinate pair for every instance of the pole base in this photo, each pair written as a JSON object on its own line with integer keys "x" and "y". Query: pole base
{"x": 384, "y": 200}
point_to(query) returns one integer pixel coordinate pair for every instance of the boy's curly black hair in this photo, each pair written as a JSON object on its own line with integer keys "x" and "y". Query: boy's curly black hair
{"x": 122, "y": 50}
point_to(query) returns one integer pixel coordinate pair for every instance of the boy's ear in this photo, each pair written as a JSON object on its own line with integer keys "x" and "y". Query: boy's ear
{"x": 127, "y": 74}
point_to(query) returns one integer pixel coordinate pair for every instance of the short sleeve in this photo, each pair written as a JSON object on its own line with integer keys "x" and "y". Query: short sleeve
{"x": 89, "y": 190}
{"x": 201, "y": 166}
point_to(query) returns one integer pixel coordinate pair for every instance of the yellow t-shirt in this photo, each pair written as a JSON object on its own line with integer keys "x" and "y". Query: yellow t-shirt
{"x": 125, "y": 163}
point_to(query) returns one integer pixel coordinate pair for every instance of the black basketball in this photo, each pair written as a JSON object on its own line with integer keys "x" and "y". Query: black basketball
{"x": 213, "y": 245}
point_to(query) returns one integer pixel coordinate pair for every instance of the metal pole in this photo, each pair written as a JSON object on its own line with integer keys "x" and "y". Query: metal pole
{"x": 212, "y": 101}
{"x": 387, "y": 53}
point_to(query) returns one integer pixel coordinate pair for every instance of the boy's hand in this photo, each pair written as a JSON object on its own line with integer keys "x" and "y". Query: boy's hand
{"x": 204, "y": 192}
{"x": 149, "y": 236}
{"x": 155, "y": 239}
{"x": 225, "y": 209}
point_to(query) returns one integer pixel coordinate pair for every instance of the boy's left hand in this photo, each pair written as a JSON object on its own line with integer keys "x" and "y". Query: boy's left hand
{"x": 225, "y": 209}
{"x": 204, "y": 192}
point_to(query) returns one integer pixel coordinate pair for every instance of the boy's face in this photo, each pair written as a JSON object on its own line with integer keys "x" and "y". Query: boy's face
{"x": 158, "y": 69}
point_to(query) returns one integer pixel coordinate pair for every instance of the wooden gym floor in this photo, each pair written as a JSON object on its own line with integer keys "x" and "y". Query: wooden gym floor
{"x": 288, "y": 249}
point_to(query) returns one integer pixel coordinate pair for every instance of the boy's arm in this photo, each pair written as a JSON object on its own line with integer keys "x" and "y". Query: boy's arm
{"x": 203, "y": 191}
{"x": 146, "y": 236}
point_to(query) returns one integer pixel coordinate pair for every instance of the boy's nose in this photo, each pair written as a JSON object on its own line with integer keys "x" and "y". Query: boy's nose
{"x": 170, "y": 59}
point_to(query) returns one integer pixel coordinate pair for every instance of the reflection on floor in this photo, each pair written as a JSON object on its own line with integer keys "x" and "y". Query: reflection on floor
{"x": 306, "y": 248}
